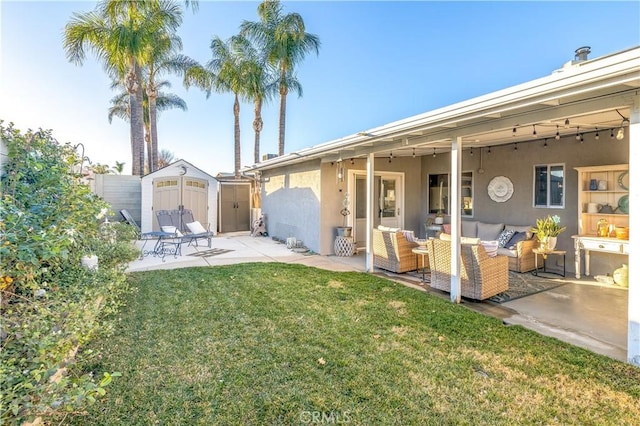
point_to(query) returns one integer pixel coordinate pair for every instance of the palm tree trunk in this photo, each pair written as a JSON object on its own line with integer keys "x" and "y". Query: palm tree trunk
{"x": 136, "y": 122}
{"x": 257, "y": 128}
{"x": 147, "y": 140}
{"x": 236, "y": 134}
{"x": 152, "y": 94}
{"x": 283, "y": 113}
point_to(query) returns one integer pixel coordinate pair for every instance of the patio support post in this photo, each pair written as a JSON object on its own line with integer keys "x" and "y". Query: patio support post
{"x": 370, "y": 211}
{"x": 454, "y": 191}
{"x": 633, "y": 328}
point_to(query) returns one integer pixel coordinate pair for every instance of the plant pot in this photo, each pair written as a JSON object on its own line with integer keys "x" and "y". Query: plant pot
{"x": 548, "y": 243}
{"x": 344, "y": 231}
{"x": 439, "y": 220}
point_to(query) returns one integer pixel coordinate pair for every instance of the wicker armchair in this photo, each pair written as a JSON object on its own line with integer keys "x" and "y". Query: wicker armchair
{"x": 481, "y": 276}
{"x": 392, "y": 251}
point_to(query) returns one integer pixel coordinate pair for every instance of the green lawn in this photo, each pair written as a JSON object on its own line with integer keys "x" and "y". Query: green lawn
{"x": 257, "y": 344}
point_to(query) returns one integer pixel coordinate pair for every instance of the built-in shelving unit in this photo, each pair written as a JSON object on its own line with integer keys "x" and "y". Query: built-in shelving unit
{"x": 615, "y": 179}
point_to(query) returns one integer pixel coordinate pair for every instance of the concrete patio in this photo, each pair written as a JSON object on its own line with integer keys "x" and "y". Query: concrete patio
{"x": 582, "y": 312}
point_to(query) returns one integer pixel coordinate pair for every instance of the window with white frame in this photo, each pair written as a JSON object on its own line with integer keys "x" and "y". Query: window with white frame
{"x": 548, "y": 186}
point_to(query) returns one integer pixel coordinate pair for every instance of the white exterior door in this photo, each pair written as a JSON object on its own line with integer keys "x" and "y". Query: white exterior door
{"x": 389, "y": 202}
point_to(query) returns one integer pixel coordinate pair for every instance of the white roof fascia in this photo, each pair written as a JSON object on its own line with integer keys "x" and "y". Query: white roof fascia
{"x": 602, "y": 72}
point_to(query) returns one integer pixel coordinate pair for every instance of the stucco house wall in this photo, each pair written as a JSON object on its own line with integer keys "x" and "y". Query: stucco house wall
{"x": 518, "y": 165}
{"x": 291, "y": 198}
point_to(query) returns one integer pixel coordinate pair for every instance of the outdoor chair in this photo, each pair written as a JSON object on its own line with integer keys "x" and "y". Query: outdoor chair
{"x": 183, "y": 223}
{"x": 481, "y": 276}
{"x": 192, "y": 229}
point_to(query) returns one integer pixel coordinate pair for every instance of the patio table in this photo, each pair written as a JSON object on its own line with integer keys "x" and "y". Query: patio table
{"x": 544, "y": 254}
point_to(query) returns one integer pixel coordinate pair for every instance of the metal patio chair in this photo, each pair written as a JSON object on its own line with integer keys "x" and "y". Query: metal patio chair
{"x": 192, "y": 229}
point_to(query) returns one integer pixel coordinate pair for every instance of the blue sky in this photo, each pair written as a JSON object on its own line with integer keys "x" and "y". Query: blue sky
{"x": 379, "y": 62}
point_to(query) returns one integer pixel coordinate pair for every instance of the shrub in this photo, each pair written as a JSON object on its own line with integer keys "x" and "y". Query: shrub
{"x": 50, "y": 305}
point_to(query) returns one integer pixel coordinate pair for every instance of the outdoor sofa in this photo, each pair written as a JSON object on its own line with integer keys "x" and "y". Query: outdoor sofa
{"x": 518, "y": 247}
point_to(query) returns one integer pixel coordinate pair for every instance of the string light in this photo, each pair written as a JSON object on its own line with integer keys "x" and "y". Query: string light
{"x": 545, "y": 143}
{"x": 414, "y": 153}
{"x": 535, "y": 134}
{"x": 597, "y": 134}
{"x": 557, "y": 132}
{"x": 566, "y": 123}
{"x": 471, "y": 152}
{"x": 578, "y": 133}
{"x": 352, "y": 162}
{"x": 434, "y": 153}
{"x": 513, "y": 133}
{"x": 489, "y": 150}
{"x": 515, "y": 146}
{"x": 611, "y": 135}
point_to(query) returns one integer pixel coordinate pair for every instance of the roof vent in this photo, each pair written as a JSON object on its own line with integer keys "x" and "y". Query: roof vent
{"x": 582, "y": 52}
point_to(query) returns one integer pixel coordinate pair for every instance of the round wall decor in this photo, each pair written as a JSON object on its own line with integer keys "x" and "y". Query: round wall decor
{"x": 500, "y": 189}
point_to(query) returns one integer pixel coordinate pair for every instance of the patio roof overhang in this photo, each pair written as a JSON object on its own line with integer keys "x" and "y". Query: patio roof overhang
{"x": 594, "y": 95}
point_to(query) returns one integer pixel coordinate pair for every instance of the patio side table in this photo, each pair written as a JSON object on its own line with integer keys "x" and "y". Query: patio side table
{"x": 423, "y": 253}
{"x": 344, "y": 246}
{"x": 544, "y": 255}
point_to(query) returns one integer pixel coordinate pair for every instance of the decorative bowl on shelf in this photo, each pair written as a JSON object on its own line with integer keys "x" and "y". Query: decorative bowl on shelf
{"x": 622, "y": 233}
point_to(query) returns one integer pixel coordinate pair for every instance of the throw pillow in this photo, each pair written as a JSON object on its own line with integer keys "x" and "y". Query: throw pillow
{"x": 517, "y": 237}
{"x": 491, "y": 247}
{"x": 409, "y": 236}
{"x": 171, "y": 230}
{"x": 489, "y": 231}
{"x": 196, "y": 227}
{"x": 505, "y": 236}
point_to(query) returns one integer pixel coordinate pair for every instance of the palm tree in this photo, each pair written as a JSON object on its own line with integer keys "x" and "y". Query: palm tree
{"x": 259, "y": 85}
{"x": 118, "y": 32}
{"x": 161, "y": 58}
{"x": 165, "y": 158}
{"x": 163, "y": 101}
{"x": 119, "y": 167}
{"x": 225, "y": 72}
{"x": 286, "y": 43}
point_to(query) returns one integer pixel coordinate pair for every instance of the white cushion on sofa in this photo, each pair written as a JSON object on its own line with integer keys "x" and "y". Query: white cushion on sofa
{"x": 489, "y": 231}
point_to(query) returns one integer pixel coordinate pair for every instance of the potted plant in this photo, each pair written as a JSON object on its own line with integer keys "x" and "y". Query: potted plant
{"x": 547, "y": 230}
{"x": 344, "y": 230}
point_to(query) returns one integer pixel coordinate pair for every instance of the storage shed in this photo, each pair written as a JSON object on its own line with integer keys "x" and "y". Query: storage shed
{"x": 179, "y": 185}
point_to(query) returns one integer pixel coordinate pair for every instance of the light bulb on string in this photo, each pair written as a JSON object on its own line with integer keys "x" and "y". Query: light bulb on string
{"x": 597, "y": 134}
{"x": 413, "y": 154}
{"x": 545, "y": 143}
{"x": 434, "y": 153}
{"x": 557, "y": 132}
{"x": 535, "y": 134}
{"x": 578, "y": 133}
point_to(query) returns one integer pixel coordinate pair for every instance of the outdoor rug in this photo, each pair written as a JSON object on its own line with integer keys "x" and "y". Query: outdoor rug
{"x": 520, "y": 285}
{"x": 525, "y": 284}
{"x": 210, "y": 252}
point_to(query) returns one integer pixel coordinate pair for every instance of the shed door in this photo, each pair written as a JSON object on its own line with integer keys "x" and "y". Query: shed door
{"x": 235, "y": 207}
{"x": 169, "y": 193}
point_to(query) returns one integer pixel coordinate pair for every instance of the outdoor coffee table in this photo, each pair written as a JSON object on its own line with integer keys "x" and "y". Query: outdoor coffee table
{"x": 544, "y": 254}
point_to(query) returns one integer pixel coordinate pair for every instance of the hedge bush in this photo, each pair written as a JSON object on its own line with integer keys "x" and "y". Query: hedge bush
{"x": 51, "y": 306}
